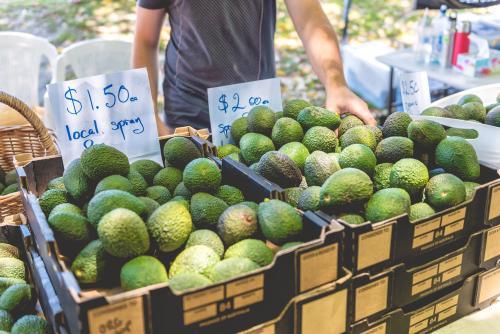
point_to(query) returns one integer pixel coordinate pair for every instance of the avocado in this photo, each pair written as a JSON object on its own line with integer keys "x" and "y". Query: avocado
{"x": 235, "y": 157}
{"x": 181, "y": 200}
{"x": 206, "y": 209}
{"x": 187, "y": 281}
{"x": 51, "y": 198}
{"x": 358, "y": 156}
{"x": 90, "y": 264}
{"x": 10, "y": 177}
{"x": 444, "y": 191}
{"x": 138, "y": 183}
{"x": 387, "y": 203}
{"x": 318, "y": 167}
{"x": 202, "y": 175}
{"x": 347, "y": 187}
{"x": 286, "y": 130}
{"x": 7, "y": 250}
{"x": 6, "y": 321}
{"x": 229, "y": 194}
{"x": 169, "y": 177}
{"x": 10, "y": 189}
{"x": 66, "y": 208}
{"x": 294, "y": 107}
{"x": 280, "y": 169}
{"x": 395, "y": 148}
{"x": 123, "y": 233}
{"x": 456, "y": 155}
{"x": 70, "y": 227}
{"x": 252, "y": 205}
{"x": 358, "y": 135}
{"x": 142, "y": 271}
{"x": 317, "y": 116}
{"x": 464, "y": 133}
{"x": 467, "y": 98}
{"x": 225, "y": 150}
{"x": 291, "y": 244}
{"x": 114, "y": 182}
{"x": 76, "y": 183}
{"x": 101, "y": 160}
{"x": 170, "y": 226}
{"x": 236, "y": 223}
{"x": 411, "y": 175}
{"x": 381, "y": 176}
{"x": 252, "y": 249}
{"x": 455, "y": 111}
{"x": 396, "y": 124}
{"x": 420, "y": 211}
{"x": 491, "y": 106}
{"x": 17, "y": 299}
{"x": 159, "y": 194}
{"x": 182, "y": 190}
{"x": 179, "y": 151}
{"x": 56, "y": 183}
{"x": 293, "y": 195}
{"x": 309, "y": 200}
{"x": 147, "y": 168}
{"x": 195, "y": 259}
{"x": 207, "y": 238}
{"x": 6, "y": 282}
{"x": 493, "y": 117}
{"x": 239, "y": 128}
{"x": 108, "y": 200}
{"x": 377, "y": 132}
{"x": 434, "y": 111}
{"x": 261, "y": 119}
{"x": 352, "y": 218}
{"x": 254, "y": 145}
{"x": 470, "y": 189}
{"x": 348, "y": 122}
{"x": 2, "y": 175}
{"x": 320, "y": 138}
{"x": 297, "y": 152}
{"x": 231, "y": 268}
{"x": 30, "y": 324}
{"x": 279, "y": 221}
{"x": 426, "y": 134}
{"x": 475, "y": 111}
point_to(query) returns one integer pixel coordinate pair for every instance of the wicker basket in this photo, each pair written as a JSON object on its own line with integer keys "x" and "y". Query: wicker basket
{"x": 34, "y": 139}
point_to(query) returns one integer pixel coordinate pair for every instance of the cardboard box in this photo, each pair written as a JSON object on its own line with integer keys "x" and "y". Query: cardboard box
{"x": 474, "y": 293}
{"x": 226, "y": 307}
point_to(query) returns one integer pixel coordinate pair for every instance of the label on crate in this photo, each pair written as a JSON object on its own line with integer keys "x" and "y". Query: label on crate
{"x": 318, "y": 267}
{"x": 212, "y": 302}
{"x": 438, "y": 228}
{"x": 434, "y": 314}
{"x": 114, "y": 109}
{"x": 374, "y": 247}
{"x": 123, "y": 317}
{"x": 374, "y": 292}
{"x": 492, "y": 247}
{"x": 327, "y": 314}
{"x": 494, "y": 203}
{"x": 489, "y": 285}
{"x": 436, "y": 274}
{"x": 380, "y": 329}
{"x": 266, "y": 329}
{"x": 227, "y": 103}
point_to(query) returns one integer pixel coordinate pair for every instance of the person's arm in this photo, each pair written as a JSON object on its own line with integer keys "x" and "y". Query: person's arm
{"x": 320, "y": 41}
{"x": 145, "y": 52}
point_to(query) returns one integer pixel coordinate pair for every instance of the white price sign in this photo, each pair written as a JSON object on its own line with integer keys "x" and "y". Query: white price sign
{"x": 115, "y": 109}
{"x": 227, "y": 103}
{"x": 415, "y": 92}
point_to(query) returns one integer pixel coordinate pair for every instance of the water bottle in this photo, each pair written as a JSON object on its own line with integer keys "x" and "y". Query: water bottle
{"x": 440, "y": 27}
{"x": 423, "y": 47}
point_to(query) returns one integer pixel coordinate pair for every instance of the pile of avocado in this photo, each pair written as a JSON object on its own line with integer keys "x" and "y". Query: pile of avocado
{"x": 355, "y": 171}
{"x": 470, "y": 107}
{"x": 128, "y": 223}
{"x": 17, "y": 300}
{"x": 8, "y": 182}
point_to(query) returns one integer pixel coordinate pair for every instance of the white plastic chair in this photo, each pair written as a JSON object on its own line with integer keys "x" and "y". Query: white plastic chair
{"x": 20, "y": 59}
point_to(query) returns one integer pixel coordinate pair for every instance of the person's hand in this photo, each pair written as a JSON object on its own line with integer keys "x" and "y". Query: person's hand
{"x": 342, "y": 100}
{"x": 163, "y": 129}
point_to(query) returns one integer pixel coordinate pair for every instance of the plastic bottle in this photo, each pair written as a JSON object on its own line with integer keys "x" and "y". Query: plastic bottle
{"x": 462, "y": 41}
{"x": 423, "y": 47}
{"x": 440, "y": 26}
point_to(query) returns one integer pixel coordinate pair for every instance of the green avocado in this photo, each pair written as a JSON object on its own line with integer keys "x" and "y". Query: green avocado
{"x": 142, "y": 271}
{"x": 101, "y": 160}
{"x": 387, "y": 203}
{"x": 179, "y": 151}
{"x": 279, "y": 221}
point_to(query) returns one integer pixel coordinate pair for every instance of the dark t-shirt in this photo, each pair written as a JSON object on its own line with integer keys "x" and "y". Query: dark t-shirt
{"x": 213, "y": 43}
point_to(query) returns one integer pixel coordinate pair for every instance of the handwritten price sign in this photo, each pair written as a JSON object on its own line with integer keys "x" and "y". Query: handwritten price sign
{"x": 227, "y": 103}
{"x": 115, "y": 109}
{"x": 415, "y": 92}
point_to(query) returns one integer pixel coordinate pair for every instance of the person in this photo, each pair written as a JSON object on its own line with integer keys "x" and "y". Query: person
{"x": 220, "y": 42}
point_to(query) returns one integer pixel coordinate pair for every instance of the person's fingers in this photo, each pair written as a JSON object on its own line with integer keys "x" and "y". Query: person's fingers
{"x": 361, "y": 110}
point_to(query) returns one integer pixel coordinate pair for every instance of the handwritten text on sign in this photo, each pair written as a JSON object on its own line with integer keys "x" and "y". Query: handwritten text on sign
{"x": 115, "y": 109}
{"x": 415, "y": 92}
{"x": 227, "y": 103}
